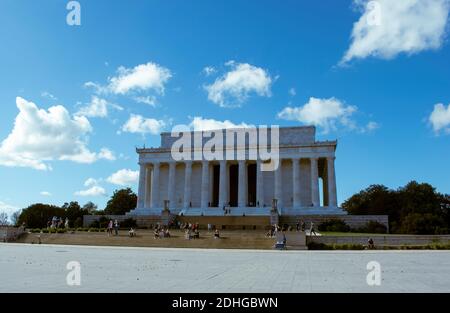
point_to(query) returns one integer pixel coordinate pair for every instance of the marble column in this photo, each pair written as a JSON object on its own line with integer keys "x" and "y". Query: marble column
{"x": 259, "y": 184}
{"x": 148, "y": 186}
{"x": 205, "y": 185}
{"x": 141, "y": 190}
{"x": 155, "y": 185}
{"x": 278, "y": 185}
{"x": 187, "y": 184}
{"x": 223, "y": 184}
{"x": 296, "y": 182}
{"x": 171, "y": 185}
{"x": 315, "y": 182}
{"x": 242, "y": 184}
{"x": 332, "y": 196}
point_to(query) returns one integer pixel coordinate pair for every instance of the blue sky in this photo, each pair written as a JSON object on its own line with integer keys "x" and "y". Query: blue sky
{"x": 383, "y": 93}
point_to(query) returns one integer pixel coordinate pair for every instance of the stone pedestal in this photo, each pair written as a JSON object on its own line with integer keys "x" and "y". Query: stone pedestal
{"x": 165, "y": 214}
{"x": 274, "y": 216}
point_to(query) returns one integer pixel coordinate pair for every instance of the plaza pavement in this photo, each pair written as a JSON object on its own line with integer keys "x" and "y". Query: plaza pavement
{"x": 42, "y": 268}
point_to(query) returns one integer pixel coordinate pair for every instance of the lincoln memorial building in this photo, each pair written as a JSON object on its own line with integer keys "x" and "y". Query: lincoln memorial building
{"x": 246, "y": 171}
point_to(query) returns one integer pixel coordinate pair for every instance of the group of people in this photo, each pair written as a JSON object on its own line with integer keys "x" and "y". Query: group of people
{"x": 161, "y": 232}
{"x": 58, "y": 222}
{"x": 301, "y": 226}
{"x": 191, "y": 231}
{"x": 113, "y": 226}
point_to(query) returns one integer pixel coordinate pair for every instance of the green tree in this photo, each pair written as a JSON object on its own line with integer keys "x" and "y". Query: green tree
{"x": 37, "y": 215}
{"x": 375, "y": 200}
{"x": 90, "y": 207}
{"x": 74, "y": 212}
{"x": 415, "y": 208}
{"x": 122, "y": 201}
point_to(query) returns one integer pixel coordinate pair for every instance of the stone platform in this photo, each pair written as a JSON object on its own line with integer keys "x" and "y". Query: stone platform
{"x": 42, "y": 268}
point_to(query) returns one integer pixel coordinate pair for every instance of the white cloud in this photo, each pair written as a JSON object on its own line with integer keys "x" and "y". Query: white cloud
{"x": 91, "y": 182}
{"x": 48, "y": 95}
{"x": 200, "y": 123}
{"x": 440, "y": 118}
{"x": 141, "y": 125}
{"x": 8, "y": 208}
{"x": 209, "y": 70}
{"x": 371, "y": 126}
{"x": 150, "y": 100}
{"x": 233, "y": 88}
{"x": 40, "y": 136}
{"x": 98, "y": 107}
{"x": 143, "y": 77}
{"x": 292, "y": 91}
{"x": 388, "y": 28}
{"x": 326, "y": 113}
{"x": 94, "y": 191}
{"x": 123, "y": 177}
{"x": 106, "y": 154}
{"x": 45, "y": 194}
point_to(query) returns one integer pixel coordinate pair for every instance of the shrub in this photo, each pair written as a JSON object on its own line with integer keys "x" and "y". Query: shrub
{"x": 322, "y": 246}
{"x": 102, "y": 222}
{"x": 372, "y": 227}
{"x": 128, "y": 223}
{"x": 78, "y": 222}
{"x": 316, "y": 246}
{"x": 60, "y": 230}
{"x": 334, "y": 225}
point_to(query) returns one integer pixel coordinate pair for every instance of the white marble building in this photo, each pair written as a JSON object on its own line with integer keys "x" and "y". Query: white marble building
{"x": 304, "y": 183}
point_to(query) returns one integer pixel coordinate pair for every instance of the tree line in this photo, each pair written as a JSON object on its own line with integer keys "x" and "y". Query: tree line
{"x": 37, "y": 215}
{"x": 416, "y": 208}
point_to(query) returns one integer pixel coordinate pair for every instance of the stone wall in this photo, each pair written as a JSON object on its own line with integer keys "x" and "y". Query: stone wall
{"x": 354, "y": 221}
{"x": 10, "y": 233}
{"x": 142, "y": 221}
{"x": 382, "y": 240}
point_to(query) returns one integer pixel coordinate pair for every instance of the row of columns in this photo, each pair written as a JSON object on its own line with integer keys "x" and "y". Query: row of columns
{"x": 148, "y": 193}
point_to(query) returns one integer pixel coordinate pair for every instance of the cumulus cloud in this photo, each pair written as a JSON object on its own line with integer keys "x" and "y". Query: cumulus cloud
{"x": 124, "y": 177}
{"x": 387, "y": 28}
{"x": 94, "y": 191}
{"x": 440, "y": 118}
{"x": 106, "y": 154}
{"x": 143, "y": 77}
{"x": 199, "y": 123}
{"x": 97, "y": 107}
{"x": 140, "y": 125}
{"x": 234, "y": 88}
{"x": 325, "y": 113}
{"x": 40, "y": 136}
{"x": 91, "y": 182}
{"x": 45, "y": 193}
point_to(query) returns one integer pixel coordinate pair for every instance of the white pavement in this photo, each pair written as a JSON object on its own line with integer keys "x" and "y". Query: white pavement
{"x": 42, "y": 268}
